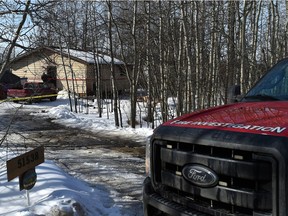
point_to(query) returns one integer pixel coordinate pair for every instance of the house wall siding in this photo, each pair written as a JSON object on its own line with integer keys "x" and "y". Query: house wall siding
{"x": 30, "y": 67}
{"x": 71, "y": 75}
{"x": 121, "y": 81}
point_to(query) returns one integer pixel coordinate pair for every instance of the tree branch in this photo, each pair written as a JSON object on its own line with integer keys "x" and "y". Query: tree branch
{"x": 14, "y": 41}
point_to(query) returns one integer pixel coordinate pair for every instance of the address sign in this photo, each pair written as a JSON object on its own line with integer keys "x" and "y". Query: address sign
{"x": 19, "y": 165}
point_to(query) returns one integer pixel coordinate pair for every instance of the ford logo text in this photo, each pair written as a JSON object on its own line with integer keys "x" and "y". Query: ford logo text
{"x": 200, "y": 175}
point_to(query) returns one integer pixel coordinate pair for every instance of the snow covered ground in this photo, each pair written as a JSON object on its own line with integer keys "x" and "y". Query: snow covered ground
{"x": 56, "y": 192}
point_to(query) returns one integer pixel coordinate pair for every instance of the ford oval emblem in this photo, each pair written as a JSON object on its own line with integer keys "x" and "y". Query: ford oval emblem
{"x": 200, "y": 175}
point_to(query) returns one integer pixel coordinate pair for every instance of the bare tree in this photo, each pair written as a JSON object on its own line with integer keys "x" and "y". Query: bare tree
{"x": 189, "y": 50}
{"x": 113, "y": 79}
{"x": 12, "y": 44}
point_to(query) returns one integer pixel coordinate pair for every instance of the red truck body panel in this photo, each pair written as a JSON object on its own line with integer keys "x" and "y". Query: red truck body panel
{"x": 266, "y": 118}
{"x": 31, "y": 89}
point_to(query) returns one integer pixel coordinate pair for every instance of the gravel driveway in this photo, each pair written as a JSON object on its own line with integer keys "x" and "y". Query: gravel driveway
{"x": 115, "y": 164}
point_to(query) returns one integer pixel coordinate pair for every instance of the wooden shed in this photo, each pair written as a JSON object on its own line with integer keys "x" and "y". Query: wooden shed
{"x": 72, "y": 70}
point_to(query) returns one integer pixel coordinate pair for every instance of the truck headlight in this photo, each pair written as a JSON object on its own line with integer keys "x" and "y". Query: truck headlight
{"x": 147, "y": 157}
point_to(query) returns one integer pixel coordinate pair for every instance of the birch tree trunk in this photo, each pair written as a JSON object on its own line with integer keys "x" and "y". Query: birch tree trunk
{"x": 213, "y": 57}
{"x": 180, "y": 72}
{"x": 286, "y": 31}
{"x": 150, "y": 108}
{"x": 73, "y": 78}
{"x": 97, "y": 69}
{"x": 255, "y": 23}
{"x": 188, "y": 55}
{"x": 243, "y": 46}
{"x": 198, "y": 53}
{"x": 66, "y": 77}
{"x": 163, "y": 81}
{"x": 112, "y": 69}
{"x": 230, "y": 73}
{"x": 133, "y": 81}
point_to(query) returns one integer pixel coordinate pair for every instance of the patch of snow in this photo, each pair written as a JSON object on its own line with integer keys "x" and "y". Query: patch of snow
{"x": 55, "y": 191}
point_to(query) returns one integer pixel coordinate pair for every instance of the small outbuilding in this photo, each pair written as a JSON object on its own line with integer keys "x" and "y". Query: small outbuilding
{"x": 72, "y": 70}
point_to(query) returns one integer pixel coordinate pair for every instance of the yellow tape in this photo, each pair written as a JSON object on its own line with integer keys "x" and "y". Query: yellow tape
{"x": 28, "y": 98}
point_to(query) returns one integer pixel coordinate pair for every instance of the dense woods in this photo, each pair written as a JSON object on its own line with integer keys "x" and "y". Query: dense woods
{"x": 192, "y": 51}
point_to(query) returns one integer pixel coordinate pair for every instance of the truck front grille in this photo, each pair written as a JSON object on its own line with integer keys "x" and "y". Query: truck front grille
{"x": 245, "y": 187}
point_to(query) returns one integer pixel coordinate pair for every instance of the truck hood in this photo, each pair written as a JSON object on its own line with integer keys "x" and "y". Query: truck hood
{"x": 267, "y": 118}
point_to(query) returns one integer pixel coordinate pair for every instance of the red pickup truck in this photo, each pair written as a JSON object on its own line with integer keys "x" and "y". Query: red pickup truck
{"x": 224, "y": 161}
{"x": 33, "y": 91}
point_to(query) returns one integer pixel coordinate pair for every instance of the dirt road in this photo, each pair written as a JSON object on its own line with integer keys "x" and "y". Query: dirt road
{"x": 114, "y": 164}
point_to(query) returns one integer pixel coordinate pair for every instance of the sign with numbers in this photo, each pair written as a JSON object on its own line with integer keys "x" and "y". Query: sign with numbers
{"x": 19, "y": 165}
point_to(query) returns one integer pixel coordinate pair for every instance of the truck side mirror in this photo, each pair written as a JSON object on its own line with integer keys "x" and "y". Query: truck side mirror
{"x": 233, "y": 92}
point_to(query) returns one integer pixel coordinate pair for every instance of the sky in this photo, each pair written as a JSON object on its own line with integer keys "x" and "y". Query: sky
{"x": 56, "y": 190}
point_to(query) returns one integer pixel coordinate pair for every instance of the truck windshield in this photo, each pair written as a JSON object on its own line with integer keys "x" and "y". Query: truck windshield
{"x": 272, "y": 86}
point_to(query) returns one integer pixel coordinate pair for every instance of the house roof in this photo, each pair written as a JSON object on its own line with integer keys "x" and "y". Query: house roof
{"x": 87, "y": 57}
{"x": 90, "y": 57}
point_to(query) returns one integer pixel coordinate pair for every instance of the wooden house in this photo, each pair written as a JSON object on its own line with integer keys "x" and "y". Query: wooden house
{"x": 72, "y": 70}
